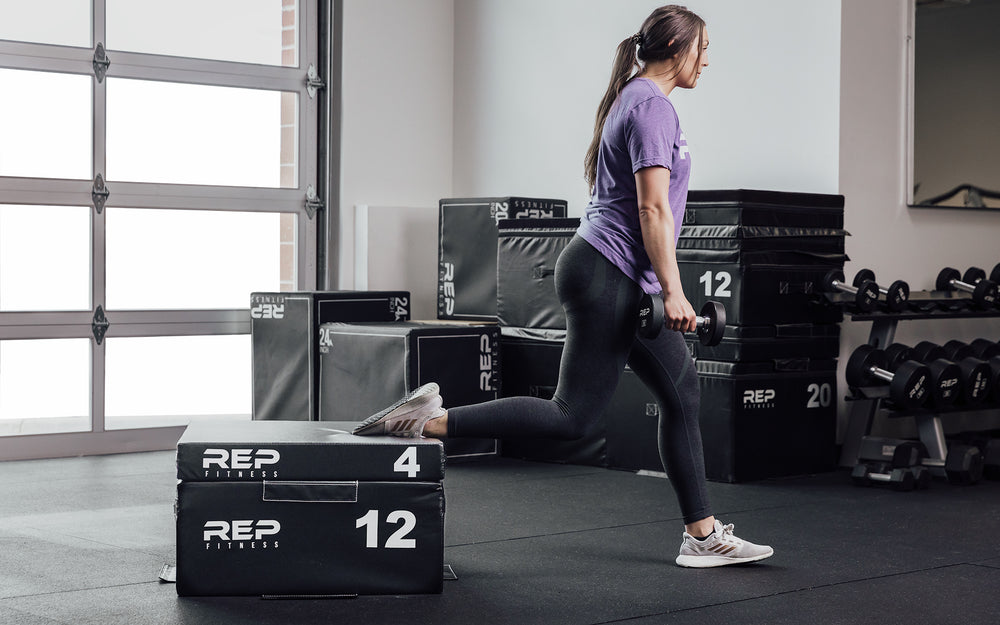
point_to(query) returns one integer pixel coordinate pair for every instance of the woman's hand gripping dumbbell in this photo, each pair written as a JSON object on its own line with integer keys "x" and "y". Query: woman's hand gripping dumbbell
{"x": 711, "y": 323}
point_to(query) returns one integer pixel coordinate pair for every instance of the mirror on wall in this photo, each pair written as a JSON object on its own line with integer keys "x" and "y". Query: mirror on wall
{"x": 956, "y": 104}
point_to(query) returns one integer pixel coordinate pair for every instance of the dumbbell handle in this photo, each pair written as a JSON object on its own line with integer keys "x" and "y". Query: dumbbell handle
{"x": 846, "y": 288}
{"x": 881, "y": 374}
{"x": 962, "y": 286}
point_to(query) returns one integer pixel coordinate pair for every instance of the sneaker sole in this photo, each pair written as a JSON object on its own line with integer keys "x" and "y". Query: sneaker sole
{"x": 707, "y": 562}
{"x": 417, "y": 399}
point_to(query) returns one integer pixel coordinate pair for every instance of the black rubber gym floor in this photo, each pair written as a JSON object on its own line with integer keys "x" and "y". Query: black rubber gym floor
{"x": 82, "y": 540}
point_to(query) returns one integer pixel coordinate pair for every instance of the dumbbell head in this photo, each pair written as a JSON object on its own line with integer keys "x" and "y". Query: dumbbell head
{"x": 995, "y": 274}
{"x": 957, "y": 350}
{"x": 712, "y": 323}
{"x": 909, "y": 385}
{"x": 983, "y": 349}
{"x": 897, "y": 296}
{"x": 860, "y": 363}
{"x": 863, "y": 275}
{"x": 944, "y": 278}
{"x": 986, "y": 293}
{"x": 945, "y": 382}
{"x": 896, "y": 354}
{"x": 650, "y": 316}
{"x": 977, "y": 380}
{"x": 973, "y": 275}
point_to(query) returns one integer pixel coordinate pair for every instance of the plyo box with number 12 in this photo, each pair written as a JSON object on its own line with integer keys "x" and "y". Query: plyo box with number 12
{"x": 305, "y": 508}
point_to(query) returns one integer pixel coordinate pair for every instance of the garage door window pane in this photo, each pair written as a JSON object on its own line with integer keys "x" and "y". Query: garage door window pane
{"x": 199, "y": 134}
{"x": 165, "y": 381}
{"x": 33, "y": 22}
{"x": 44, "y": 386}
{"x": 45, "y": 125}
{"x": 44, "y": 258}
{"x": 246, "y": 31}
{"x": 184, "y": 259}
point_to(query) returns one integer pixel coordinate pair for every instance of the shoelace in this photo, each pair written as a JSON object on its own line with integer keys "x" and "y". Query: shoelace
{"x": 728, "y": 536}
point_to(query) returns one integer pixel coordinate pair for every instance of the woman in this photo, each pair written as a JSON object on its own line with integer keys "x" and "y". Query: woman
{"x": 637, "y": 168}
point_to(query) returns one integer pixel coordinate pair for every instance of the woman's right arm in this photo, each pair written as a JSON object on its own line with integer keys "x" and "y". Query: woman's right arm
{"x": 657, "y": 224}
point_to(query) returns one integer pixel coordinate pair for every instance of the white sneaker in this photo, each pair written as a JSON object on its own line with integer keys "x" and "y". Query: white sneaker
{"x": 720, "y": 549}
{"x": 407, "y": 416}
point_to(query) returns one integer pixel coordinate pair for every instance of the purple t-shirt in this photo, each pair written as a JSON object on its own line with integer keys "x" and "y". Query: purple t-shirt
{"x": 642, "y": 130}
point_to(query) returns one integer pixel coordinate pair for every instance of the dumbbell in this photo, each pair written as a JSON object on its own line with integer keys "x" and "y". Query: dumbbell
{"x": 984, "y": 349}
{"x": 711, "y": 323}
{"x": 903, "y": 479}
{"x": 995, "y": 273}
{"x": 975, "y": 368}
{"x": 896, "y": 296}
{"x": 908, "y": 383}
{"x": 984, "y": 292}
{"x": 944, "y": 380}
{"x": 973, "y": 374}
{"x": 865, "y": 294}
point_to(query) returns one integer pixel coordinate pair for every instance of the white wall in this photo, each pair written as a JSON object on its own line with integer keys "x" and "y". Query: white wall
{"x": 529, "y": 75}
{"x": 397, "y": 115}
{"x": 896, "y": 241}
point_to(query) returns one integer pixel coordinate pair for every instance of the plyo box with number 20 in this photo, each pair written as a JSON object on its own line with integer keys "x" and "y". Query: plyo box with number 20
{"x": 305, "y": 508}
{"x": 768, "y": 419}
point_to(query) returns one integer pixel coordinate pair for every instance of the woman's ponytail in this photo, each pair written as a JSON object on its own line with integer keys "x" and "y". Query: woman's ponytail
{"x": 624, "y": 68}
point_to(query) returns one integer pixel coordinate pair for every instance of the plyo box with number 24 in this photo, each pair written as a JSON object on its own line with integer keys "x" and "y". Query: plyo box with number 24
{"x": 305, "y": 508}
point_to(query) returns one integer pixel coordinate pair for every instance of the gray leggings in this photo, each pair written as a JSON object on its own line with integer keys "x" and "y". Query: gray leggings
{"x": 601, "y": 305}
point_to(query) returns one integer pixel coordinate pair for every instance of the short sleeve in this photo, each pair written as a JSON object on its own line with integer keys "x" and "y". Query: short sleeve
{"x": 651, "y": 130}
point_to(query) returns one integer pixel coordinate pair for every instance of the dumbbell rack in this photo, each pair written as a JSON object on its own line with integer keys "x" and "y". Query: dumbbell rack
{"x": 869, "y": 401}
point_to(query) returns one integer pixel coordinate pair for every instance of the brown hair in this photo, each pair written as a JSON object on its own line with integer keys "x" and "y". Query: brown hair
{"x": 666, "y": 34}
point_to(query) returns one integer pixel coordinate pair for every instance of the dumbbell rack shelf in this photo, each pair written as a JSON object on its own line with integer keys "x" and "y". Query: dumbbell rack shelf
{"x": 867, "y": 401}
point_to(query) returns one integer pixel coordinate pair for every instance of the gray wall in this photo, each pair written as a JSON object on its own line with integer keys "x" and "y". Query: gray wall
{"x": 529, "y": 75}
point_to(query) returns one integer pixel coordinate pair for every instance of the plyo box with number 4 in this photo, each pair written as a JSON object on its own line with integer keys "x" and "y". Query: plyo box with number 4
{"x": 305, "y": 508}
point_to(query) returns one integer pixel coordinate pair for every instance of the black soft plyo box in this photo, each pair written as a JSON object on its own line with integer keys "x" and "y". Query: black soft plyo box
{"x": 296, "y": 450}
{"x": 467, "y": 244}
{"x": 365, "y": 367}
{"x": 284, "y": 328}
{"x": 768, "y": 419}
{"x": 749, "y": 207}
{"x": 293, "y": 508}
{"x": 309, "y": 538}
{"x": 527, "y": 252}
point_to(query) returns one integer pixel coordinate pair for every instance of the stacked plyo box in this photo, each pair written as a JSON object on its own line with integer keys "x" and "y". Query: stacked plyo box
{"x": 286, "y": 508}
{"x": 532, "y": 327}
{"x": 365, "y": 367}
{"x": 768, "y": 390}
{"x": 467, "y": 244}
{"x": 284, "y": 331}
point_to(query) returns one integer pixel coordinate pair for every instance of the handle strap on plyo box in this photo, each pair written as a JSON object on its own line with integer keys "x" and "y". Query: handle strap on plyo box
{"x": 311, "y": 492}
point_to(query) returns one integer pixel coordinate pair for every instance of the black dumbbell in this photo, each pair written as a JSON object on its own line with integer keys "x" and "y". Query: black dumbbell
{"x": 944, "y": 379}
{"x": 896, "y": 296}
{"x": 976, "y": 369}
{"x": 865, "y": 294}
{"x": 908, "y": 383}
{"x": 964, "y": 464}
{"x": 903, "y": 479}
{"x": 711, "y": 323}
{"x": 973, "y": 374}
{"x": 984, "y": 292}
